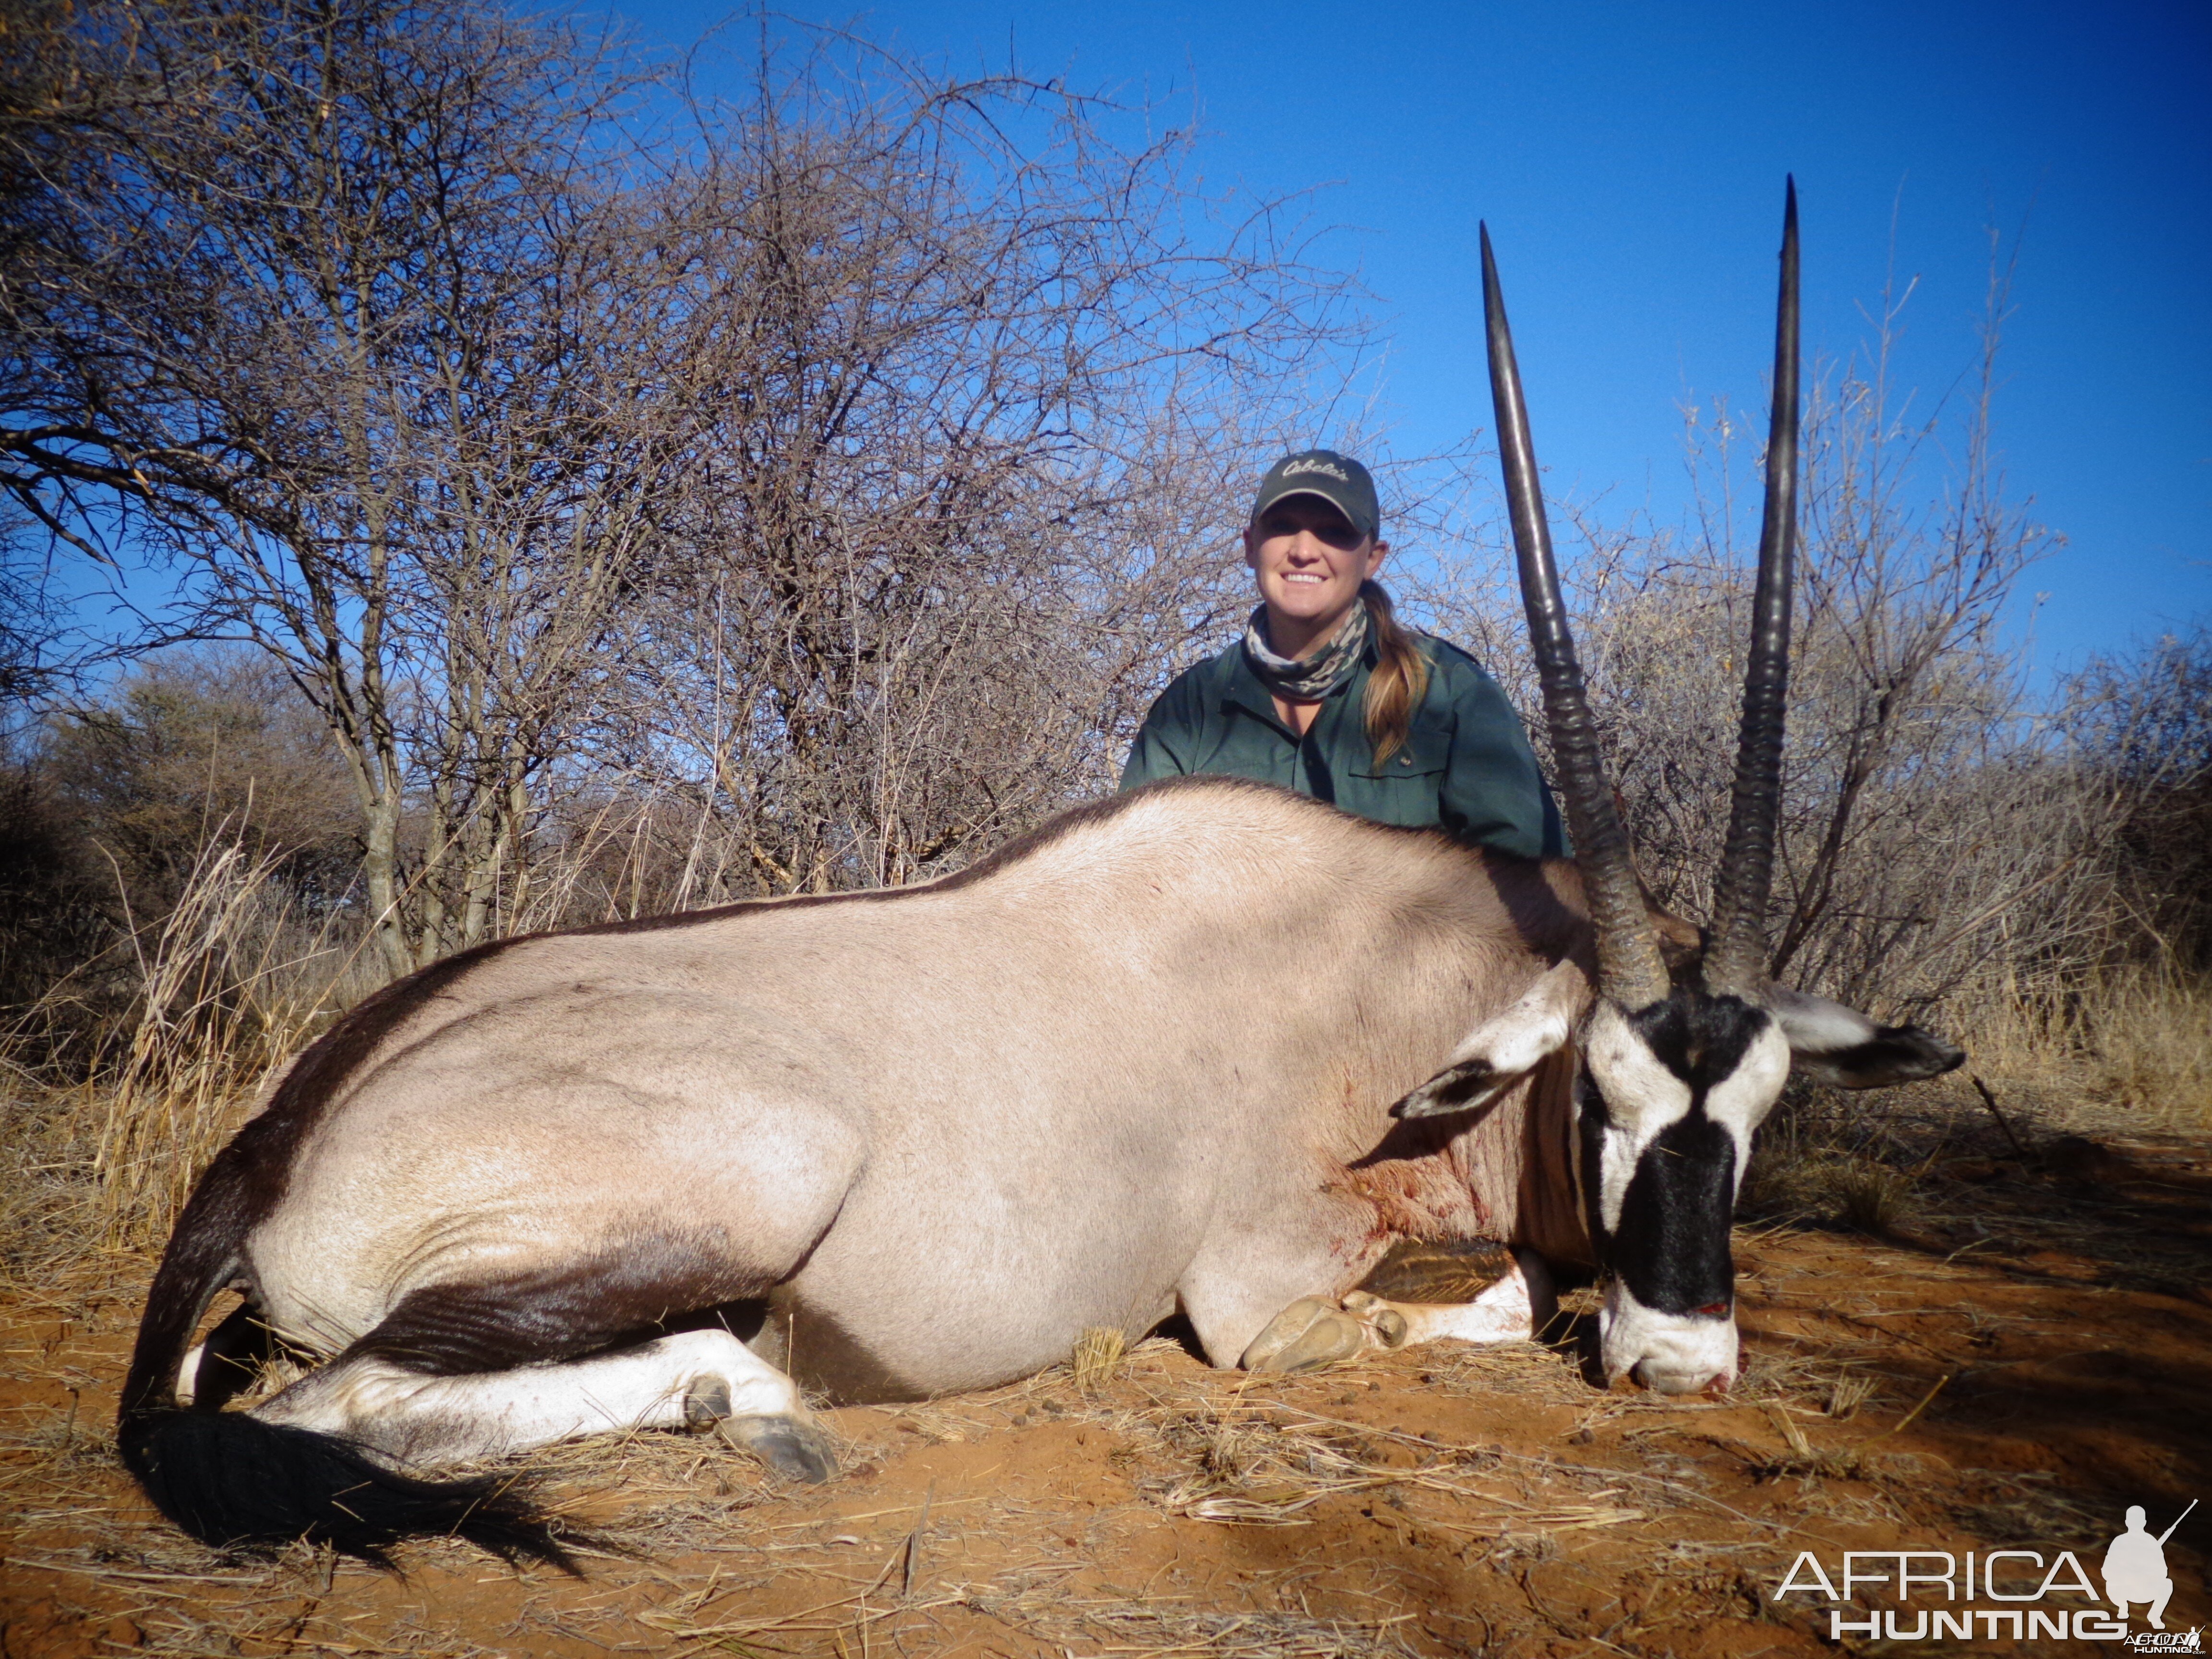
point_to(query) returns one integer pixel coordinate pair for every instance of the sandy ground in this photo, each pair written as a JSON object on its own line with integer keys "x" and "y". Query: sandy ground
{"x": 2023, "y": 1351}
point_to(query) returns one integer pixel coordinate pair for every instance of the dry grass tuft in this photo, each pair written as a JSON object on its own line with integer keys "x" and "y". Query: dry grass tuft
{"x": 1803, "y": 1459}
{"x": 1097, "y": 1356}
{"x": 1790, "y": 1177}
{"x": 1849, "y": 1391}
{"x": 1868, "y": 1197}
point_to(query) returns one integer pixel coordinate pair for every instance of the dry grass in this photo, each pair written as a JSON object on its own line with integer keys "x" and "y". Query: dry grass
{"x": 1825, "y": 1181}
{"x": 2135, "y": 1042}
{"x": 1097, "y": 1356}
{"x": 1868, "y": 1196}
{"x": 231, "y": 983}
{"x": 203, "y": 1038}
{"x": 2153, "y": 1052}
{"x": 1134, "y": 1627}
{"x": 1280, "y": 1491}
{"x": 1849, "y": 1391}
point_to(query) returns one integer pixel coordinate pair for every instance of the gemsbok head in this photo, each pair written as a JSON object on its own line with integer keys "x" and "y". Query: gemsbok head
{"x": 1680, "y": 1064}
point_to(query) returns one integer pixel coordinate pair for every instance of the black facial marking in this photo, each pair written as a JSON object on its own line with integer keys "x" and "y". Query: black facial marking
{"x": 1671, "y": 1249}
{"x": 1700, "y": 1039}
{"x": 1589, "y": 1129}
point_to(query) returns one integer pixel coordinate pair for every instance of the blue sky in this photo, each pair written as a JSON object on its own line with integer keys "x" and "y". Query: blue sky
{"x": 1629, "y": 159}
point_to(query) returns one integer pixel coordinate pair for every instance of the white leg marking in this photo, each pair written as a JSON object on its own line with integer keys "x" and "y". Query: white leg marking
{"x": 440, "y": 1419}
{"x": 1511, "y": 1310}
{"x": 188, "y": 1380}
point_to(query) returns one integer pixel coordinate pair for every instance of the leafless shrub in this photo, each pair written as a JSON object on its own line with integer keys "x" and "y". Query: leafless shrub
{"x": 986, "y": 395}
{"x": 2143, "y": 720}
{"x": 192, "y": 743}
{"x": 305, "y": 304}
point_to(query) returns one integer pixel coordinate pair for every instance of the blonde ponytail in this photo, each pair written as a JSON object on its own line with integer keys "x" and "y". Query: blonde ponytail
{"x": 1401, "y": 679}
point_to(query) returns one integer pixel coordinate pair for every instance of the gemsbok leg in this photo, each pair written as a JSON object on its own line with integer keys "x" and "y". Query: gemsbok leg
{"x": 1513, "y": 1310}
{"x": 694, "y": 1379}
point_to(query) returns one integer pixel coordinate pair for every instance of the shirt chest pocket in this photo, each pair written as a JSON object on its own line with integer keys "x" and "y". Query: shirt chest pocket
{"x": 1428, "y": 748}
{"x": 1408, "y": 787}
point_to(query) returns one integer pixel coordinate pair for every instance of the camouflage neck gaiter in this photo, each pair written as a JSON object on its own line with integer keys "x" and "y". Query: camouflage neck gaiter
{"x": 1309, "y": 679}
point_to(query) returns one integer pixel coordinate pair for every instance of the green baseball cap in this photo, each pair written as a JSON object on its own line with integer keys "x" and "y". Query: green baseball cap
{"x": 1337, "y": 479}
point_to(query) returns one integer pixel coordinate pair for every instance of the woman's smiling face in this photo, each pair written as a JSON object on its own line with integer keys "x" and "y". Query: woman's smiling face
{"x": 1309, "y": 562}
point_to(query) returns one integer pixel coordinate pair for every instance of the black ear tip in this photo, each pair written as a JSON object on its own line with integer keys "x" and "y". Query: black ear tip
{"x": 1919, "y": 1053}
{"x": 1429, "y": 1101}
{"x": 1942, "y": 1056}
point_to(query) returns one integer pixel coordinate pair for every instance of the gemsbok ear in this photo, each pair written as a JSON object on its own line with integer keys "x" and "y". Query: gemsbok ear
{"x": 1831, "y": 1043}
{"x": 1503, "y": 1048}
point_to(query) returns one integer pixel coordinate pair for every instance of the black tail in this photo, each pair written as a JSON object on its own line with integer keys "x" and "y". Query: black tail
{"x": 252, "y": 1487}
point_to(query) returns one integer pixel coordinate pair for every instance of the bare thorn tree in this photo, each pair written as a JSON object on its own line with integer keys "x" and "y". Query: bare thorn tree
{"x": 845, "y": 460}
{"x": 982, "y": 382}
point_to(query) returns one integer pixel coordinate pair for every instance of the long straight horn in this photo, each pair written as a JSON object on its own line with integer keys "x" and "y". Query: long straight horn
{"x": 1735, "y": 962}
{"x": 1629, "y": 971}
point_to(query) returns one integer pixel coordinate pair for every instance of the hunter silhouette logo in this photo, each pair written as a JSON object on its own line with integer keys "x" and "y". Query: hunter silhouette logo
{"x": 2134, "y": 1566}
{"x": 2021, "y": 1582}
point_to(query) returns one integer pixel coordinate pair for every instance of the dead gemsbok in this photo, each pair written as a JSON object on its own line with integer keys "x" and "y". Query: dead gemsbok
{"x": 896, "y": 1144}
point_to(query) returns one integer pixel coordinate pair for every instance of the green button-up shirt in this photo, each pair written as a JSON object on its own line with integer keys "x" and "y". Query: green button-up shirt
{"x": 1465, "y": 767}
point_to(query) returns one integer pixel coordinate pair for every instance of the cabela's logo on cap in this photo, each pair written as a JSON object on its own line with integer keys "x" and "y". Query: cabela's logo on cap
{"x": 1321, "y": 464}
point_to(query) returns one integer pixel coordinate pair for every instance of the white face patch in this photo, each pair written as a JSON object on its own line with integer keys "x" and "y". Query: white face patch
{"x": 1740, "y": 1101}
{"x": 1642, "y": 1097}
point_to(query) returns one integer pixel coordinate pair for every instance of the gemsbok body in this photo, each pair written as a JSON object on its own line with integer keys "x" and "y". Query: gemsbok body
{"x": 1208, "y": 1048}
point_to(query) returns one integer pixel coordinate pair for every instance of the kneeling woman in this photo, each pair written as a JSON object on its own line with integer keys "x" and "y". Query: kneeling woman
{"x": 1328, "y": 695}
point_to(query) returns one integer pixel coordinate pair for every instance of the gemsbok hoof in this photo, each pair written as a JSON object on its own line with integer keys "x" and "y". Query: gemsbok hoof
{"x": 795, "y": 1451}
{"x": 1304, "y": 1337}
{"x": 1383, "y": 1322}
{"x": 706, "y": 1403}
